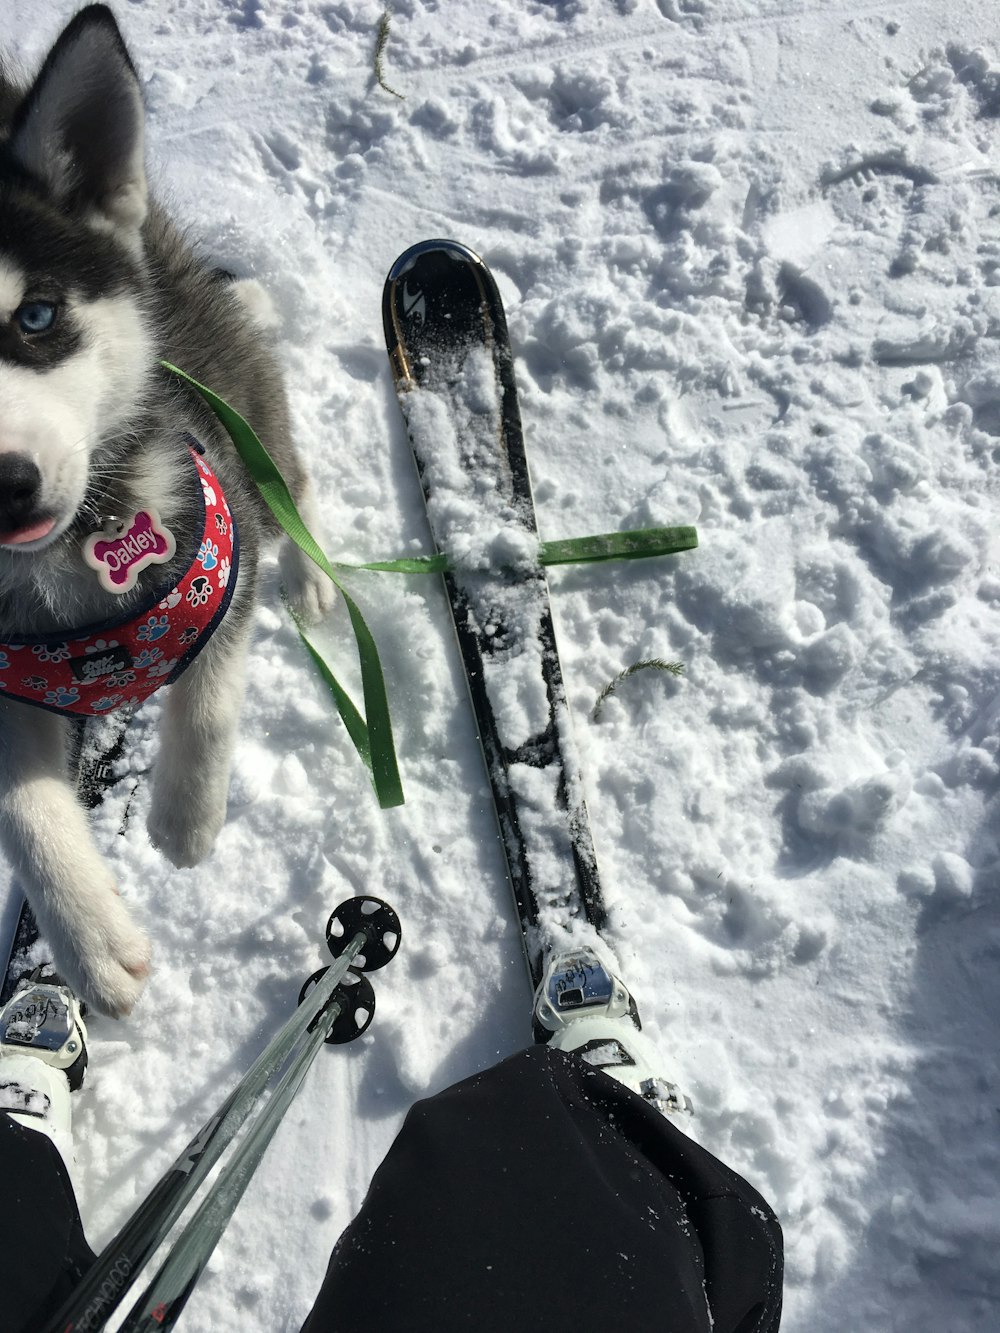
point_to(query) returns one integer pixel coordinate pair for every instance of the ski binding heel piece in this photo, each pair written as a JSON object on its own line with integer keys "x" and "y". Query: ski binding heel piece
{"x": 43, "y": 1019}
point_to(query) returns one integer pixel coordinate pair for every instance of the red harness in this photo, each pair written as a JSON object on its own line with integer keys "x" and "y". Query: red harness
{"x": 120, "y": 663}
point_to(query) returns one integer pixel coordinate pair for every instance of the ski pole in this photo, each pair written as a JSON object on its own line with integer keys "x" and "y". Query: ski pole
{"x": 118, "y": 1265}
{"x": 161, "y": 1303}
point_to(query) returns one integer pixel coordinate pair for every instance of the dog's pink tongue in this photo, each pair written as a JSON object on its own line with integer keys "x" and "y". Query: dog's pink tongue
{"x": 32, "y": 533}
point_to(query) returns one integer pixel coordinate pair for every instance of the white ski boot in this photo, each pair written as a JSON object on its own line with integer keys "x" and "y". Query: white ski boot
{"x": 591, "y": 1013}
{"x": 43, "y": 1056}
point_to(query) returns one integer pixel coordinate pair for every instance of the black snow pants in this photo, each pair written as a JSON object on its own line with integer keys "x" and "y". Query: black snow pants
{"x": 540, "y": 1195}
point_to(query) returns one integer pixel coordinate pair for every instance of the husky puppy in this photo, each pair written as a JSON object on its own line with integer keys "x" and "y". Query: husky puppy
{"x": 106, "y": 506}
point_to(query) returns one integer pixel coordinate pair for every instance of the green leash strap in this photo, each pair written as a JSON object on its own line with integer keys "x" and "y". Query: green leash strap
{"x": 352, "y": 719}
{"x": 372, "y": 738}
{"x": 639, "y": 545}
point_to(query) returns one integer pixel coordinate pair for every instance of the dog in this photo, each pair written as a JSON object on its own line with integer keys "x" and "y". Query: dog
{"x": 130, "y": 532}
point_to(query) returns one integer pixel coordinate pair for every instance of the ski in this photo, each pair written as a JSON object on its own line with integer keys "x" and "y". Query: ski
{"x": 446, "y": 334}
{"x": 94, "y": 750}
{"x": 24, "y": 936}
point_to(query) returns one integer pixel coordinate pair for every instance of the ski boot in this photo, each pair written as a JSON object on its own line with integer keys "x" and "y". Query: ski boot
{"x": 591, "y": 1013}
{"x": 43, "y": 1055}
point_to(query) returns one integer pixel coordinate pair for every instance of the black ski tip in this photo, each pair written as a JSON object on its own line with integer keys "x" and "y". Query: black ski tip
{"x": 440, "y": 247}
{"x": 439, "y": 299}
{"x": 433, "y": 297}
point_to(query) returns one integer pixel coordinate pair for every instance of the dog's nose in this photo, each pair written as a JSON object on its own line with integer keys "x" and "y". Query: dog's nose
{"x": 20, "y": 490}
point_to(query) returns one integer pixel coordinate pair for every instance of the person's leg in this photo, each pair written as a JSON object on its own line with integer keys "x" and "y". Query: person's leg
{"x": 543, "y": 1194}
{"x": 43, "y": 1252}
{"x": 43, "y": 1056}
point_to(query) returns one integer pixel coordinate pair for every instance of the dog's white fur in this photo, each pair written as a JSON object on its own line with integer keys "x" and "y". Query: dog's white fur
{"x": 72, "y": 418}
{"x": 48, "y": 839}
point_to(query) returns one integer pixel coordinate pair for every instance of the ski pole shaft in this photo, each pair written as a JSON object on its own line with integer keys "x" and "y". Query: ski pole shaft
{"x": 119, "y": 1264}
{"x": 161, "y": 1303}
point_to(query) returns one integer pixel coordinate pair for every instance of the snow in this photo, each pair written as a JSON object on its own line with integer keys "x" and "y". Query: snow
{"x": 751, "y": 260}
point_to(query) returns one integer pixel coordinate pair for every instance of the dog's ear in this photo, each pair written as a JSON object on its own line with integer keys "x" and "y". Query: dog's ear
{"x": 79, "y": 130}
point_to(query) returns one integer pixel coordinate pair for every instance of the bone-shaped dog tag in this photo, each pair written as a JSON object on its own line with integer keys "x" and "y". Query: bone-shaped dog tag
{"x": 121, "y": 555}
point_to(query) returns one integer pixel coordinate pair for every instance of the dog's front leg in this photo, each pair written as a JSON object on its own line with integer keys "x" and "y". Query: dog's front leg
{"x": 309, "y": 590}
{"x": 191, "y": 779}
{"x": 95, "y": 945}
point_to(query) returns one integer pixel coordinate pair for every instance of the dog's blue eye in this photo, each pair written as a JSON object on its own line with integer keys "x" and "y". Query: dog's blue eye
{"x": 35, "y": 316}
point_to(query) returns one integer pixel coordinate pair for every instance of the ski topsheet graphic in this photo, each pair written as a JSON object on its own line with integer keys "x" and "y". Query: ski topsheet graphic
{"x": 452, "y": 363}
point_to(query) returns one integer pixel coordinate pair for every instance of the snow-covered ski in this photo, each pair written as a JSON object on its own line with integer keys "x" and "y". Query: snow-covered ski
{"x": 24, "y": 935}
{"x": 451, "y": 359}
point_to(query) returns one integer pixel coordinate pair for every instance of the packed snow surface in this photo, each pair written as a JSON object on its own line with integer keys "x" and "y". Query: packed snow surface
{"x": 750, "y": 254}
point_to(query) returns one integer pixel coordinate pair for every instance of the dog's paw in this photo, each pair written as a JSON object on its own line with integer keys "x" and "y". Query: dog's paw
{"x": 310, "y": 593}
{"x": 184, "y": 829}
{"x": 107, "y": 958}
{"x": 185, "y": 816}
{"x": 257, "y": 303}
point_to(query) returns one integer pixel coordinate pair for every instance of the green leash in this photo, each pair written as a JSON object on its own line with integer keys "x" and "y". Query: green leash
{"x": 372, "y": 734}
{"x": 638, "y": 545}
{"x": 372, "y": 737}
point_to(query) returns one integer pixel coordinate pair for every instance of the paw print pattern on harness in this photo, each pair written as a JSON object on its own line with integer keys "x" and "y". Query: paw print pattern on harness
{"x": 154, "y": 628}
{"x": 61, "y": 697}
{"x": 200, "y": 591}
{"x": 106, "y": 703}
{"x": 208, "y": 555}
{"x": 56, "y": 652}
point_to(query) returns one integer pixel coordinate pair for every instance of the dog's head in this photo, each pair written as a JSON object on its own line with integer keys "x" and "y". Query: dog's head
{"x": 74, "y": 351}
